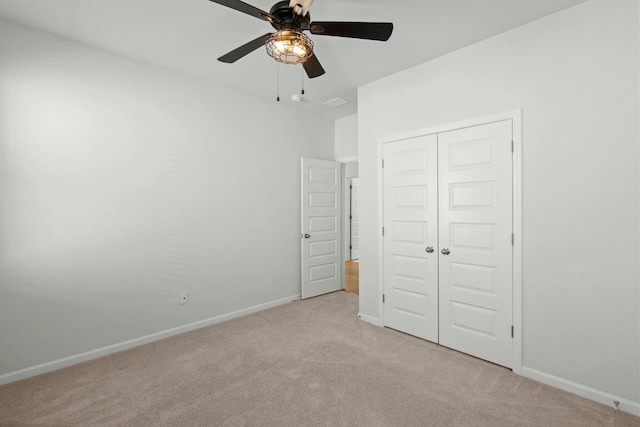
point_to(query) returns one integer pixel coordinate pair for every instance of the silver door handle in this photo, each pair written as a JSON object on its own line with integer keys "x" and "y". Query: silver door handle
{"x": 445, "y": 251}
{"x": 306, "y": 236}
{"x": 429, "y": 250}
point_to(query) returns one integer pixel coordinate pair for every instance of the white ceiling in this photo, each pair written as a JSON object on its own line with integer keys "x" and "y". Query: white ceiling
{"x": 188, "y": 36}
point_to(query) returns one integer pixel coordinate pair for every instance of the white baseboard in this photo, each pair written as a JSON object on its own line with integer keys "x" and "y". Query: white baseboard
{"x": 104, "y": 351}
{"x": 582, "y": 391}
{"x": 370, "y": 319}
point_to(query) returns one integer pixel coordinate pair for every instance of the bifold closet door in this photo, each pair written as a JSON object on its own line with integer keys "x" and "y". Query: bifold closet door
{"x": 475, "y": 234}
{"x": 411, "y": 236}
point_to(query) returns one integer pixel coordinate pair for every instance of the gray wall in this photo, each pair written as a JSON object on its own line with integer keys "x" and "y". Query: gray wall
{"x": 122, "y": 185}
{"x": 575, "y": 75}
{"x": 346, "y": 139}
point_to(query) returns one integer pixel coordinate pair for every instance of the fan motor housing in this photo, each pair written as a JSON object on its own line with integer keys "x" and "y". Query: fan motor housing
{"x": 286, "y": 19}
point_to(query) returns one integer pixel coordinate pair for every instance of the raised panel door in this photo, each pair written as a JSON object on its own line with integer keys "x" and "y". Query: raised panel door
{"x": 410, "y": 228}
{"x": 475, "y": 229}
{"x": 320, "y": 234}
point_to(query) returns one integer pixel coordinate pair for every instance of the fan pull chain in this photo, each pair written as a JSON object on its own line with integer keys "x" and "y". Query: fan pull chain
{"x": 278, "y": 84}
{"x": 302, "y": 79}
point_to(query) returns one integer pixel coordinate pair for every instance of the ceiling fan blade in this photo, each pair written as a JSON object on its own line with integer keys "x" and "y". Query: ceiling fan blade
{"x": 312, "y": 67}
{"x": 357, "y": 30}
{"x": 247, "y": 8}
{"x": 245, "y": 49}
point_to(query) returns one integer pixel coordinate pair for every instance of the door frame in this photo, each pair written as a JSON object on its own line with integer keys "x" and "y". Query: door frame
{"x": 346, "y": 201}
{"x": 516, "y": 117}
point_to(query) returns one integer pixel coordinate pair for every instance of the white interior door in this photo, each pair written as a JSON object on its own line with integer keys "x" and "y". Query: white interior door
{"x": 320, "y": 234}
{"x": 411, "y": 236}
{"x": 475, "y": 217}
{"x": 355, "y": 219}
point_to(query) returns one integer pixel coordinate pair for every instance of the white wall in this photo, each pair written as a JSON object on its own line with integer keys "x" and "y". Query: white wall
{"x": 122, "y": 185}
{"x": 346, "y": 138}
{"x": 575, "y": 75}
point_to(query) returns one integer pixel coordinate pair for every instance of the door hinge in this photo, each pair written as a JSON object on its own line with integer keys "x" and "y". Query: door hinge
{"x": 513, "y": 239}
{"x": 350, "y": 247}
{"x": 512, "y": 331}
{"x": 351, "y": 187}
{"x": 382, "y": 163}
{"x": 512, "y": 145}
{"x": 383, "y": 231}
{"x": 383, "y": 298}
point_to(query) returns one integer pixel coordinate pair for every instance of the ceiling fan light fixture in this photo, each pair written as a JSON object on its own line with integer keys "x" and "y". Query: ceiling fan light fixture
{"x": 289, "y": 46}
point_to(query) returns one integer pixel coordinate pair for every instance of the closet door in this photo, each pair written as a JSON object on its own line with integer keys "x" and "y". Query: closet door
{"x": 411, "y": 236}
{"x": 475, "y": 233}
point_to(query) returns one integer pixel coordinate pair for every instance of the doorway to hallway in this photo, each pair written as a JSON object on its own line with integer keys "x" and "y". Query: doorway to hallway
{"x": 352, "y": 228}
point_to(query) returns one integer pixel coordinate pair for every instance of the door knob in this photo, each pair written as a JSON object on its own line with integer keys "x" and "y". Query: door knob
{"x": 445, "y": 251}
{"x": 306, "y": 236}
{"x": 429, "y": 250}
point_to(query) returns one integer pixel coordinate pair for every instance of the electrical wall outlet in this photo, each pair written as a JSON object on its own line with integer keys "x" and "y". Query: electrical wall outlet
{"x": 184, "y": 297}
{"x": 272, "y": 280}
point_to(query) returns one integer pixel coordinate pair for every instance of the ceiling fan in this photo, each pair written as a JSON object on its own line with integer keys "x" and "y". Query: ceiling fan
{"x": 289, "y": 44}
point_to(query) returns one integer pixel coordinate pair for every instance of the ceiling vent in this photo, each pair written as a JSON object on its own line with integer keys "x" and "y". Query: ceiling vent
{"x": 336, "y": 102}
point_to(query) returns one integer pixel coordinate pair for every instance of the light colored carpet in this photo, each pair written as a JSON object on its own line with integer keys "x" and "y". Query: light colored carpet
{"x": 308, "y": 363}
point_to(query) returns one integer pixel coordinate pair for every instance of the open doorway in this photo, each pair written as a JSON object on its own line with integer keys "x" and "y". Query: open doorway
{"x": 352, "y": 228}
